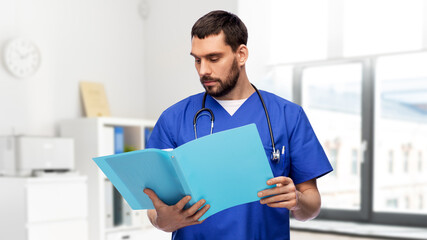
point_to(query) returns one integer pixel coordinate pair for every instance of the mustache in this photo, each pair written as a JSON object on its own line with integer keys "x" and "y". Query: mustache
{"x": 208, "y": 79}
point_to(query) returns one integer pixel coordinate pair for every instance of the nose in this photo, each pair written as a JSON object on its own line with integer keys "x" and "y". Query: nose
{"x": 204, "y": 68}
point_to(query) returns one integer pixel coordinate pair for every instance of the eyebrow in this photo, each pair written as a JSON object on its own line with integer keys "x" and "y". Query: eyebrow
{"x": 214, "y": 54}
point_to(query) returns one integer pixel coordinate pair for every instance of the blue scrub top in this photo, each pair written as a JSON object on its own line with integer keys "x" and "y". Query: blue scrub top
{"x": 304, "y": 159}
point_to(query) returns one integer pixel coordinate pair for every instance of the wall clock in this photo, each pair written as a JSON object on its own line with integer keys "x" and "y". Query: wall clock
{"x": 22, "y": 57}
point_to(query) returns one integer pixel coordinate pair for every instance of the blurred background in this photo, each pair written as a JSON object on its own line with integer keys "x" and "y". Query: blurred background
{"x": 357, "y": 67}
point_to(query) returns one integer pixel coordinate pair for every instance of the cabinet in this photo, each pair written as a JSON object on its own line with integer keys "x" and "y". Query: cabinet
{"x": 95, "y": 137}
{"x": 44, "y": 208}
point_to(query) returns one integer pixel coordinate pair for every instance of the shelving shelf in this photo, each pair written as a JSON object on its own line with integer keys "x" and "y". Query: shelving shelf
{"x": 93, "y": 137}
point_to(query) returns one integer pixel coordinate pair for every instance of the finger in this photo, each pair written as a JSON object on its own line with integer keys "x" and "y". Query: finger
{"x": 274, "y": 191}
{"x": 181, "y": 204}
{"x": 291, "y": 204}
{"x": 277, "y": 190}
{"x": 200, "y": 213}
{"x": 282, "y": 180}
{"x": 196, "y": 222}
{"x": 287, "y": 205}
{"x": 153, "y": 196}
{"x": 193, "y": 209}
{"x": 278, "y": 198}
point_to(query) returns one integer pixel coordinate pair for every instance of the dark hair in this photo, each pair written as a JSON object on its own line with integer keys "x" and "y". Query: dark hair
{"x": 216, "y": 21}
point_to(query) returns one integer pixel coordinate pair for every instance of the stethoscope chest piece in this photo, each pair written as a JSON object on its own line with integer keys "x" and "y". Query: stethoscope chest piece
{"x": 275, "y": 156}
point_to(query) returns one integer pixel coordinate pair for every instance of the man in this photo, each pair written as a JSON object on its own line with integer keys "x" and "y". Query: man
{"x": 219, "y": 48}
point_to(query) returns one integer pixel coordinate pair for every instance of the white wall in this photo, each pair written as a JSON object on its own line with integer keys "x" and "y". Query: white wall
{"x": 253, "y": 14}
{"x": 170, "y": 72}
{"x": 144, "y": 64}
{"x": 96, "y": 40}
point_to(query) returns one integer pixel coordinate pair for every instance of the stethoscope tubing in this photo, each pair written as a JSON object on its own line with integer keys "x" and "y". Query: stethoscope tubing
{"x": 268, "y": 118}
{"x": 275, "y": 155}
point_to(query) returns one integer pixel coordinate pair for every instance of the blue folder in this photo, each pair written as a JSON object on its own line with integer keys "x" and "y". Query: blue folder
{"x": 226, "y": 169}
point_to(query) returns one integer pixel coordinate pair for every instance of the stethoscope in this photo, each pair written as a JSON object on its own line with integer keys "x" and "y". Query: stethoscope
{"x": 275, "y": 154}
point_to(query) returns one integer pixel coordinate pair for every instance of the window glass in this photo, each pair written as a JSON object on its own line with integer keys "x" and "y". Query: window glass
{"x": 354, "y": 161}
{"x": 299, "y": 30}
{"x": 331, "y": 97}
{"x": 382, "y": 26}
{"x": 401, "y": 129}
{"x": 278, "y": 81}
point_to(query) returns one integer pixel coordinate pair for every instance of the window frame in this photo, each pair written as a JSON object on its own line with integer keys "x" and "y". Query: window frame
{"x": 366, "y": 213}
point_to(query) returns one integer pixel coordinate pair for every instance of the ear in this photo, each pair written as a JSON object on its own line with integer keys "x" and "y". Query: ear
{"x": 242, "y": 54}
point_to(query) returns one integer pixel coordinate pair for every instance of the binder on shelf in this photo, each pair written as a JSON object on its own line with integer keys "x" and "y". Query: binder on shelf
{"x": 109, "y": 210}
{"x": 118, "y": 208}
{"x": 226, "y": 169}
{"x": 138, "y": 217}
{"x": 108, "y": 143}
{"x": 119, "y": 140}
{"x": 126, "y": 213}
{"x": 108, "y": 140}
{"x": 119, "y": 144}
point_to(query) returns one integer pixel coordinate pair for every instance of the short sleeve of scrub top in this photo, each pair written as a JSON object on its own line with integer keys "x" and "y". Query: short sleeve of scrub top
{"x": 161, "y": 138}
{"x": 308, "y": 160}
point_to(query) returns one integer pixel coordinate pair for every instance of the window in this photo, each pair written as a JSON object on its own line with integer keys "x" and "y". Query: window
{"x": 407, "y": 202}
{"x": 392, "y": 203}
{"x": 278, "y": 81}
{"x": 343, "y": 106}
{"x": 354, "y": 161}
{"x": 306, "y": 40}
{"x": 308, "y": 30}
{"x": 391, "y": 162}
{"x": 366, "y": 103}
{"x": 406, "y": 161}
{"x": 380, "y": 30}
{"x": 401, "y": 125}
{"x": 331, "y": 97}
{"x": 332, "y": 156}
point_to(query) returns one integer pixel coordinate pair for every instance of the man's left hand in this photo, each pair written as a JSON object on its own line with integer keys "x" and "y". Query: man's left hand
{"x": 284, "y": 195}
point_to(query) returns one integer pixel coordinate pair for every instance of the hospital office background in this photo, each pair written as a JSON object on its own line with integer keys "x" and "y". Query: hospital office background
{"x": 357, "y": 67}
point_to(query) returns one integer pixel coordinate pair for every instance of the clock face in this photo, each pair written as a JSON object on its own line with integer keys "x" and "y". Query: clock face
{"x": 22, "y": 57}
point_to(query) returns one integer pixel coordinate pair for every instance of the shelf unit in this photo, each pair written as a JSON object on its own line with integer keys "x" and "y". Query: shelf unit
{"x": 94, "y": 137}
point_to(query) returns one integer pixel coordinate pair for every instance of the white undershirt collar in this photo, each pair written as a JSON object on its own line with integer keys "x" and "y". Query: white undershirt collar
{"x": 231, "y": 106}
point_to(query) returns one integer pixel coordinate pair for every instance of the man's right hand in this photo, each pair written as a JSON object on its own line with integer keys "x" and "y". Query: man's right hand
{"x": 171, "y": 218}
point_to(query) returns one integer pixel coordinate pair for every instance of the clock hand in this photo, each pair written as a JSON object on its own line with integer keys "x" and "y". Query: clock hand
{"x": 22, "y": 55}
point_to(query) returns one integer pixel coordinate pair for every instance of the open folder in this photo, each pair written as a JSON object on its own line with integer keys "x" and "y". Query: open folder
{"x": 226, "y": 169}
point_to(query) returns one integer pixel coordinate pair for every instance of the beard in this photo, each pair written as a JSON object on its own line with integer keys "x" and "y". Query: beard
{"x": 224, "y": 87}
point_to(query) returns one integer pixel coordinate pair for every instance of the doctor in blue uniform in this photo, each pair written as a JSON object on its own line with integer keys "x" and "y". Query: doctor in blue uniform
{"x": 219, "y": 49}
